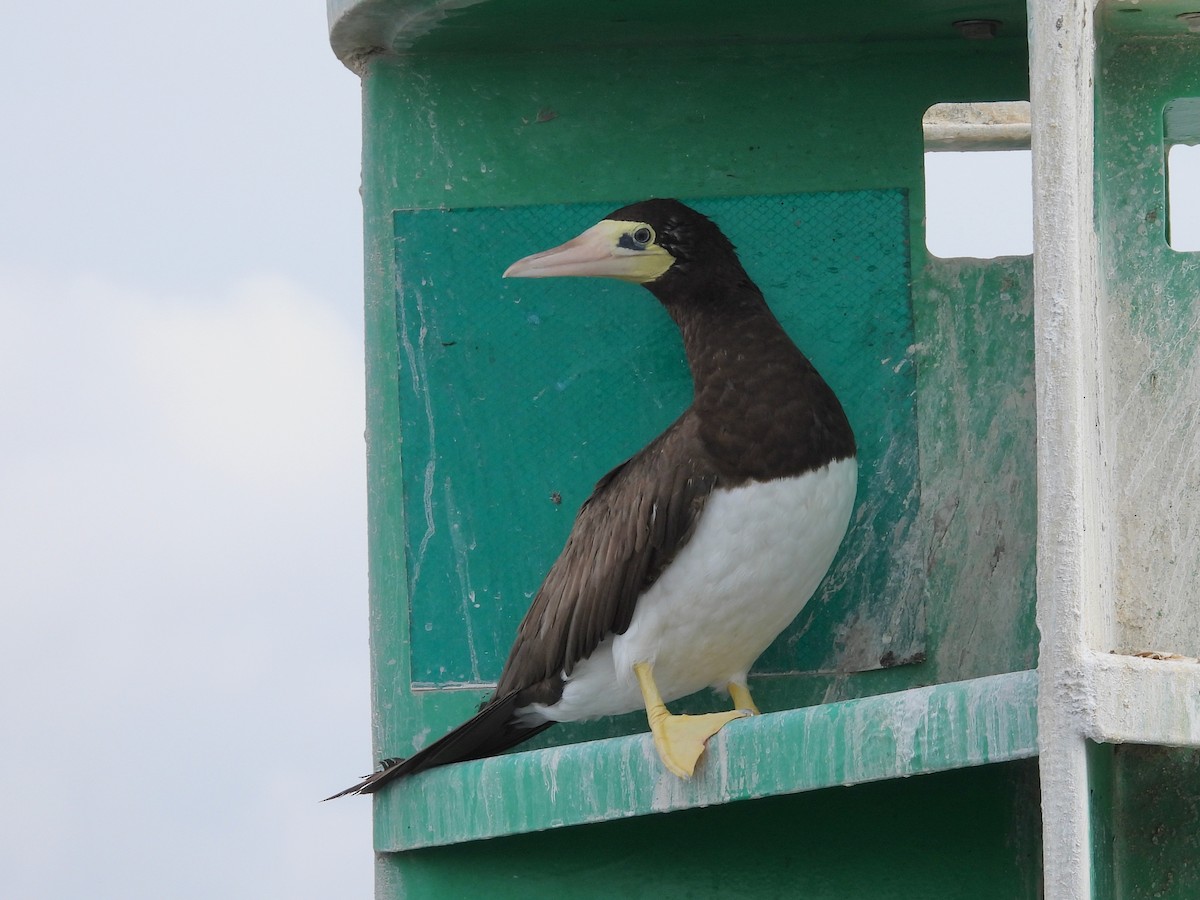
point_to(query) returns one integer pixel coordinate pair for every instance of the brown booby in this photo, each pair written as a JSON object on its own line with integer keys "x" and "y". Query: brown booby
{"x": 690, "y": 557}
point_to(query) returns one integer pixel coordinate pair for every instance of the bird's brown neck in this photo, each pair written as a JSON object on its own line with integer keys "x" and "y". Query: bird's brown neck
{"x": 763, "y": 409}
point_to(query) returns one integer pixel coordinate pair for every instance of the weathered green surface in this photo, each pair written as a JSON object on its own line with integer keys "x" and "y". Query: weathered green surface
{"x": 452, "y": 132}
{"x": 978, "y": 474}
{"x": 1124, "y": 19}
{"x": 948, "y": 726}
{"x": 500, "y": 129}
{"x": 1129, "y": 345}
{"x": 966, "y": 835}
{"x": 1152, "y": 313}
{"x": 1146, "y": 814}
{"x": 519, "y": 395}
{"x": 1145, "y": 800}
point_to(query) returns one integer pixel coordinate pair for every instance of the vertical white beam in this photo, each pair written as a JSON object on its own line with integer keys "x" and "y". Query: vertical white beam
{"x": 1072, "y": 558}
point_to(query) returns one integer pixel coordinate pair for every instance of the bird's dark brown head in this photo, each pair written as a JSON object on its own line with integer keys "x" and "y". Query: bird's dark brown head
{"x": 661, "y": 244}
{"x": 741, "y": 359}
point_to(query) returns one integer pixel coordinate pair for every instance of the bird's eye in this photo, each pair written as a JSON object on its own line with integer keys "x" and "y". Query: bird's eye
{"x": 643, "y": 236}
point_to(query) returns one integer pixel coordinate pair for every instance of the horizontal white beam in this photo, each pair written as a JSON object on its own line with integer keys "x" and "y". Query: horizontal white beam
{"x": 976, "y": 126}
{"x": 1144, "y": 701}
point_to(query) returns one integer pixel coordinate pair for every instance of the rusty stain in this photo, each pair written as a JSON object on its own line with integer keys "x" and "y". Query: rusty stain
{"x": 555, "y": 498}
{"x": 1165, "y": 655}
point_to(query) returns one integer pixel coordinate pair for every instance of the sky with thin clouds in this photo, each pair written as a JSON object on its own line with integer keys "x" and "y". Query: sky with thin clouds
{"x": 183, "y": 622}
{"x": 183, "y": 647}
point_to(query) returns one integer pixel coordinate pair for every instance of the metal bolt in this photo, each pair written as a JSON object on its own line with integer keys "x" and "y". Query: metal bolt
{"x": 978, "y": 29}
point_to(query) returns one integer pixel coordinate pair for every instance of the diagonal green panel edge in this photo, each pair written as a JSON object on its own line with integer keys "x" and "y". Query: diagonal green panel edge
{"x": 517, "y": 396}
{"x": 919, "y": 731}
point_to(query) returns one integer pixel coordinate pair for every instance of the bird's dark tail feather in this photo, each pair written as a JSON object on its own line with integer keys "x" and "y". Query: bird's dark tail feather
{"x": 490, "y": 731}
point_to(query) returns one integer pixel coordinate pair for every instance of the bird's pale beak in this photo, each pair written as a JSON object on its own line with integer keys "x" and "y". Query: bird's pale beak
{"x": 597, "y": 253}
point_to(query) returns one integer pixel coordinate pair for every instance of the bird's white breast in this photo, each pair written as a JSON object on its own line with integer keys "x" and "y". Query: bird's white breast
{"x": 756, "y": 557}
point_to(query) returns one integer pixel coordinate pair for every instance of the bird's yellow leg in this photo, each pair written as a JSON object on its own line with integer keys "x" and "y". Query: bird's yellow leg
{"x": 679, "y": 739}
{"x": 742, "y": 699}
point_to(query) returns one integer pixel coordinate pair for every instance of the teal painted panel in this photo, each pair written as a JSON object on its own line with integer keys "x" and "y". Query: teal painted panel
{"x": 914, "y": 732}
{"x": 517, "y": 396}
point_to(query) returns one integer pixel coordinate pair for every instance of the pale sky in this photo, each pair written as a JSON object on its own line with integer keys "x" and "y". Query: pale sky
{"x": 183, "y": 619}
{"x": 183, "y": 642}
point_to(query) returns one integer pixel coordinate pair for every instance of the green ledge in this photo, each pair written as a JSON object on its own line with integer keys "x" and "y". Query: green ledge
{"x": 929, "y": 729}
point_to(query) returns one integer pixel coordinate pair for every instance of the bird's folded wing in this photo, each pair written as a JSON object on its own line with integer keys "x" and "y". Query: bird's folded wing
{"x": 637, "y": 519}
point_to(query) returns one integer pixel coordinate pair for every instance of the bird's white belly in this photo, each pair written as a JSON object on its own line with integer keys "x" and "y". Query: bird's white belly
{"x": 756, "y": 557}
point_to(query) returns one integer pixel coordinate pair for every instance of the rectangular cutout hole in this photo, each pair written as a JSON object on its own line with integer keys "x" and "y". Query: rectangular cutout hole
{"x": 1181, "y": 135}
{"x": 978, "y": 180}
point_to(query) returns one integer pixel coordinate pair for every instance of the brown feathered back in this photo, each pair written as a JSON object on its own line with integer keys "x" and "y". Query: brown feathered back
{"x": 639, "y": 516}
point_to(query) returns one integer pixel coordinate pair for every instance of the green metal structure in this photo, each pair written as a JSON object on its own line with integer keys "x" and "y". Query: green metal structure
{"x": 493, "y": 129}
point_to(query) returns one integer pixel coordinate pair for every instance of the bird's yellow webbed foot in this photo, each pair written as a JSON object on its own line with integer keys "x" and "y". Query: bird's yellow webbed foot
{"x": 742, "y": 699}
{"x": 679, "y": 739}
